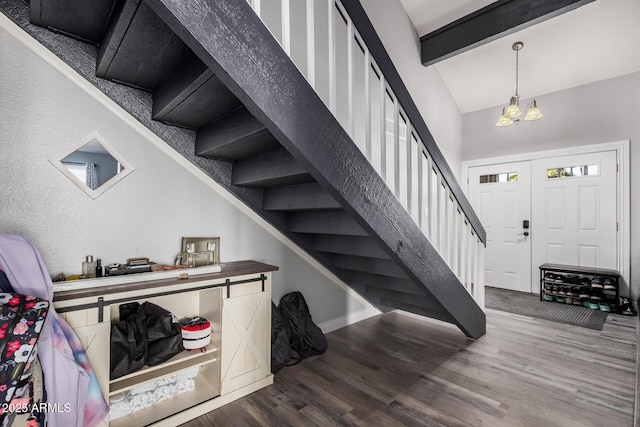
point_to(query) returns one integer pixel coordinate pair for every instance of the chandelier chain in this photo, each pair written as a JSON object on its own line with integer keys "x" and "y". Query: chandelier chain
{"x": 511, "y": 113}
{"x": 517, "y": 52}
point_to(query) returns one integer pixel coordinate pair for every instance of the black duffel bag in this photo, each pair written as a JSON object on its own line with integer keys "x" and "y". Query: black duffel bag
{"x": 164, "y": 335}
{"x": 128, "y": 346}
{"x": 147, "y": 334}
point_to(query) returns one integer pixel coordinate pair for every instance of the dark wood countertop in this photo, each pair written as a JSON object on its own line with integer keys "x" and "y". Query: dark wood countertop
{"x": 230, "y": 269}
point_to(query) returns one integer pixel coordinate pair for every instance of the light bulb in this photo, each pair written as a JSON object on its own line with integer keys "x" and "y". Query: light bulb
{"x": 533, "y": 113}
{"x": 513, "y": 111}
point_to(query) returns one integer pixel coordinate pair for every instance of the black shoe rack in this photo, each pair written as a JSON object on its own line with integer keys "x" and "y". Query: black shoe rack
{"x": 584, "y": 286}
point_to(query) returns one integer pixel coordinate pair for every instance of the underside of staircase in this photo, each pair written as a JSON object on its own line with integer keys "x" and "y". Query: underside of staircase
{"x": 210, "y": 80}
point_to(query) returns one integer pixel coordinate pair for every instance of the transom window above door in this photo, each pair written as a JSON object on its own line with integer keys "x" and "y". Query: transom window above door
{"x": 585, "y": 170}
{"x": 499, "y": 177}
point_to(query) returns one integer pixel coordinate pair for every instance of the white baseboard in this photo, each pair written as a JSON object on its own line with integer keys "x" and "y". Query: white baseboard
{"x": 348, "y": 319}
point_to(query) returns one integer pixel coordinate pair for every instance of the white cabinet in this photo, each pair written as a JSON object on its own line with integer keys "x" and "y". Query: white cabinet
{"x": 246, "y": 328}
{"x": 237, "y": 302}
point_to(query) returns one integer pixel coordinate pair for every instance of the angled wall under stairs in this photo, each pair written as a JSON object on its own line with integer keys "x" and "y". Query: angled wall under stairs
{"x": 211, "y": 81}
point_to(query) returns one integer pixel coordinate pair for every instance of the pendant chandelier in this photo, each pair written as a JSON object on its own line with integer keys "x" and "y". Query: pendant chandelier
{"x": 511, "y": 114}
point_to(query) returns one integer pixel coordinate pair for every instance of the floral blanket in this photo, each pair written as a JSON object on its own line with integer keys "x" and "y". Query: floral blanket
{"x": 21, "y": 320}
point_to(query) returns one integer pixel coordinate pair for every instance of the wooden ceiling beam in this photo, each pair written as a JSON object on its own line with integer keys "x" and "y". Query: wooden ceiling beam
{"x": 490, "y": 23}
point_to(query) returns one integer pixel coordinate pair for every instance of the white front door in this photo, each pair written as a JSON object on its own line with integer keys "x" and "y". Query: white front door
{"x": 501, "y": 196}
{"x": 575, "y": 210}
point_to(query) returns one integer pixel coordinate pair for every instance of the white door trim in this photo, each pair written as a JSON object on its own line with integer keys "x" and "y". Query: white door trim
{"x": 624, "y": 188}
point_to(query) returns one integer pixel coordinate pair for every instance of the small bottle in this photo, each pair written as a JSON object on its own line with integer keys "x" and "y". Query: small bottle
{"x": 98, "y": 268}
{"x": 89, "y": 267}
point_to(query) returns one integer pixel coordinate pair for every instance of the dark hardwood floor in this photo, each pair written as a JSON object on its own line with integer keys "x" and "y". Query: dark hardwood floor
{"x": 393, "y": 370}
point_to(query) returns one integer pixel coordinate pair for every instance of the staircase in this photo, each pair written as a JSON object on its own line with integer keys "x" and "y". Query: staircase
{"x": 209, "y": 79}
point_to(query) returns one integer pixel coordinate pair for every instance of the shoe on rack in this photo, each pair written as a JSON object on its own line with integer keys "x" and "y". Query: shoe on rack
{"x": 568, "y": 300}
{"x": 577, "y": 301}
{"x": 625, "y": 307}
{"x": 562, "y": 290}
{"x": 585, "y": 282}
{"x": 572, "y": 292}
{"x": 547, "y": 297}
{"x": 586, "y": 303}
{"x": 549, "y": 277}
{"x": 604, "y": 306}
{"x": 559, "y": 299}
{"x": 596, "y": 283}
{"x": 609, "y": 284}
{"x": 584, "y": 293}
{"x": 573, "y": 279}
{"x": 594, "y": 304}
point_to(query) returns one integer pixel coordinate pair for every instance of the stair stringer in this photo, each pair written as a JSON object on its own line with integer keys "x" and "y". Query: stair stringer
{"x": 275, "y": 92}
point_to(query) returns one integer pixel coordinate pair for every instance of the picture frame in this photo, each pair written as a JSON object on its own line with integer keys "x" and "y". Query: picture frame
{"x": 199, "y": 251}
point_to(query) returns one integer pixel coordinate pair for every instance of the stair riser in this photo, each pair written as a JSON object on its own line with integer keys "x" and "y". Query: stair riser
{"x": 139, "y": 49}
{"x": 369, "y": 265}
{"x": 304, "y": 197}
{"x": 192, "y": 97}
{"x": 360, "y": 246}
{"x": 272, "y": 169}
{"x": 338, "y": 223}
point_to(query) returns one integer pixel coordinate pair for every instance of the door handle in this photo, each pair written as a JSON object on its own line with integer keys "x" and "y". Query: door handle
{"x": 525, "y": 234}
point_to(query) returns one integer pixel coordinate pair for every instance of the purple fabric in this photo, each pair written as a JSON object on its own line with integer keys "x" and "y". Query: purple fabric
{"x": 67, "y": 381}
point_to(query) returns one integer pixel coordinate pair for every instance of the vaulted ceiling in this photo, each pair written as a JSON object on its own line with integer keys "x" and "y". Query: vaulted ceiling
{"x": 594, "y": 42}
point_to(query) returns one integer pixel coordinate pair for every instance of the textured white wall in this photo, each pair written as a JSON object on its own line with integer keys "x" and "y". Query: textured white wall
{"x": 426, "y": 86}
{"x": 146, "y": 214}
{"x": 600, "y": 112}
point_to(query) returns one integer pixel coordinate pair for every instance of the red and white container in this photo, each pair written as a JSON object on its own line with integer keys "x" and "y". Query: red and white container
{"x": 196, "y": 333}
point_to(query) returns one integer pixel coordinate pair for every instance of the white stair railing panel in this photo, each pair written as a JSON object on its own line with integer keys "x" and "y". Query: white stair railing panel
{"x": 367, "y": 105}
{"x": 391, "y": 141}
{"x": 451, "y": 218}
{"x": 376, "y": 119}
{"x": 433, "y": 205}
{"x": 323, "y": 42}
{"x": 395, "y": 154}
{"x": 360, "y": 100}
{"x": 425, "y": 174}
{"x": 350, "y": 84}
{"x": 463, "y": 239}
{"x": 414, "y": 177}
{"x": 383, "y": 122}
{"x": 271, "y": 15}
{"x": 456, "y": 239}
{"x": 343, "y": 95}
{"x": 311, "y": 43}
{"x": 331, "y": 31}
{"x": 285, "y": 21}
{"x": 479, "y": 272}
{"x": 402, "y": 163}
{"x": 442, "y": 218}
{"x": 295, "y": 29}
{"x": 464, "y": 253}
{"x": 469, "y": 254}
